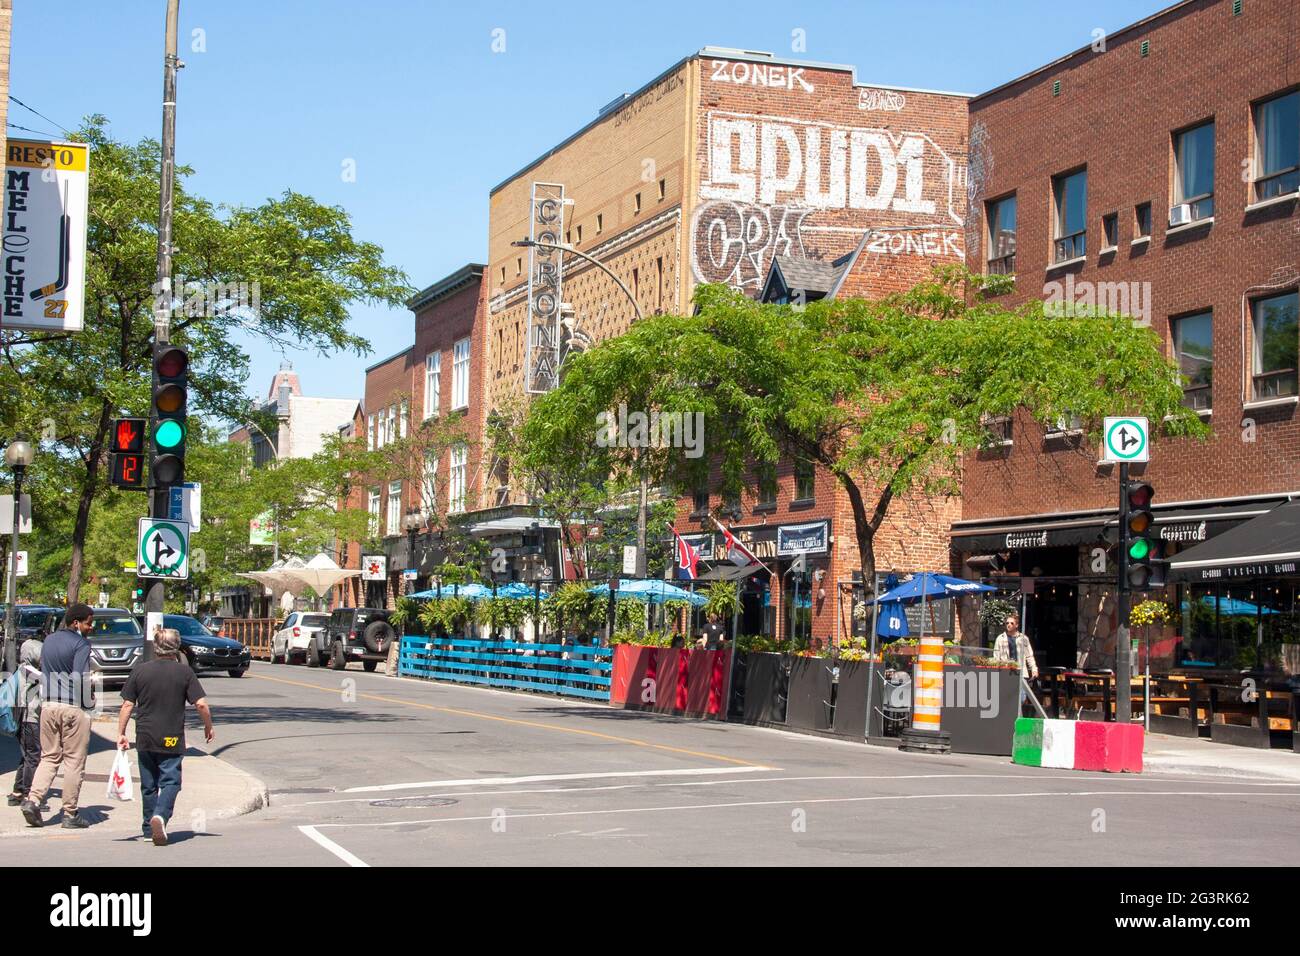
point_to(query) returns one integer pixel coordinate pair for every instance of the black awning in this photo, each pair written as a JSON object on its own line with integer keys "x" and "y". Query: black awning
{"x": 1265, "y": 546}
{"x": 1041, "y": 531}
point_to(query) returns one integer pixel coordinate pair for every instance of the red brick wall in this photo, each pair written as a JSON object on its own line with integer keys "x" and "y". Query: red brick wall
{"x": 1116, "y": 113}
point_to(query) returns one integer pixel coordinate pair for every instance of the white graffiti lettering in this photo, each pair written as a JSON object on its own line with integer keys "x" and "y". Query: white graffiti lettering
{"x": 734, "y": 242}
{"x": 939, "y": 243}
{"x": 768, "y": 75}
{"x": 890, "y": 101}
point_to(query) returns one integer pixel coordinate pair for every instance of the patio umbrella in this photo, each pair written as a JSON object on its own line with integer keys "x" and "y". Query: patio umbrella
{"x": 517, "y": 589}
{"x": 651, "y": 591}
{"x": 471, "y": 592}
{"x": 929, "y": 584}
{"x": 320, "y": 574}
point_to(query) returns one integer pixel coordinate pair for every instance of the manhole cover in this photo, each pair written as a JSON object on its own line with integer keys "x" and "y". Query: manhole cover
{"x": 422, "y": 802}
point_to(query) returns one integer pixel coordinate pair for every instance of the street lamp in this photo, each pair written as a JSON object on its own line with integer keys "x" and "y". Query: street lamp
{"x": 18, "y": 456}
{"x": 413, "y": 522}
{"x": 643, "y": 495}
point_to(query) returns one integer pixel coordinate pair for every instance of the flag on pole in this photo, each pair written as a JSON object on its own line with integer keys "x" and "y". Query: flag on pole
{"x": 688, "y": 558}
{"x": 734, "y": 551}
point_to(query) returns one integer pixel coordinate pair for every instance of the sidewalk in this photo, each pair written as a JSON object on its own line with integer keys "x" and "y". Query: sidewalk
{"x": 213, "y": 790}
{"x": 1165, "y": 754}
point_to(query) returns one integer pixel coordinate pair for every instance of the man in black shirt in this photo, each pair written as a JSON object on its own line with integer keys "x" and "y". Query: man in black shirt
{"x": 160, "y": 688}
{"x": 713, "y": 634}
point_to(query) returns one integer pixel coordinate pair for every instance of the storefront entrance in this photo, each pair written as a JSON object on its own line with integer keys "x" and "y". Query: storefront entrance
{"x": 1052, "y": 622}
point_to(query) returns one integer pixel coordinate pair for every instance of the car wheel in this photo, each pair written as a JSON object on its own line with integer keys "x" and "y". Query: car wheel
{"x": 237, "y": 673}
{"x": 370, "y": 665}
{"x": 338, "y": 660}
{"x": 274, "y": 658}
{"x": 310, "y": 657}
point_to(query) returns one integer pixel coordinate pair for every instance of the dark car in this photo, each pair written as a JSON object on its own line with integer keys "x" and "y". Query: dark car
{"x": 116, "y": 643}
{"x": 206, "y": 651}
{"x": 38, "y": 621}
{"x": 353, "y": 634}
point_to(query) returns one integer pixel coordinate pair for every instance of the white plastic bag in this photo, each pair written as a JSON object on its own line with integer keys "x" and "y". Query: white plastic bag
{"x": 119, "y": 778}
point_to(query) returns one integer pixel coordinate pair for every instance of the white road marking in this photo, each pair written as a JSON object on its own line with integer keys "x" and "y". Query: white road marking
{"x": 348, "y": 858}
{"x": 815, "y": 800}
{"x": 543, "y": 778}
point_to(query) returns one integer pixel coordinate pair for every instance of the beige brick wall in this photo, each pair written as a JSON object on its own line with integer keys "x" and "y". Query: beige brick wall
{"x": 6, "y": 24}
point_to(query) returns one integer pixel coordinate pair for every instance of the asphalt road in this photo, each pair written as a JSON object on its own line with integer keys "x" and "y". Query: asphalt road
{"x": 368, "y": 770}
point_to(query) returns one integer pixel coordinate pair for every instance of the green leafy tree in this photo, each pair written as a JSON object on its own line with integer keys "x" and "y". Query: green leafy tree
{"x": 888, "y": 395}
{"x": 299, "y": 255}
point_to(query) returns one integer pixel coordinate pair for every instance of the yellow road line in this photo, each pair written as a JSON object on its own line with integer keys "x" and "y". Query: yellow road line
{"x": 522, "y": 723}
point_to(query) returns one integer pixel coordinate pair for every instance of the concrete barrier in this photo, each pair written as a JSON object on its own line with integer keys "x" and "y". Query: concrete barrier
{"x": 1078, "y": 745}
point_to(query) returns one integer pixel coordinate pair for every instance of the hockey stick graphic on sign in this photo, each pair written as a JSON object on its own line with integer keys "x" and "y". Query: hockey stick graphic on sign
{"x": 65, "y": 254}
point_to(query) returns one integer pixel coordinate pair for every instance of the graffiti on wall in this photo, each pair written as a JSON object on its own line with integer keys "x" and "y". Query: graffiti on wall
{"x": 766, "y": 178}
{"x": 771, "y": 76}
{"x": 979, "y": 166}
{"x": 889, "y": 101}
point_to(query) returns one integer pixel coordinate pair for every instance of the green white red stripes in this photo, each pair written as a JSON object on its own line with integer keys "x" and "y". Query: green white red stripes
{"x": 1078, "y": 745}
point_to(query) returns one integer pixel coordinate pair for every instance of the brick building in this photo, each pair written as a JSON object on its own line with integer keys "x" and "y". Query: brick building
{"x": 438, "y": 376}
{"x": 724, "y": 165}
{"x": 1158, "y": 176}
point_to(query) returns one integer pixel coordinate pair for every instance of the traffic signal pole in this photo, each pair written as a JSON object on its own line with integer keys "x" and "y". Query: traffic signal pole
{"x": 1123, "y": 668}
{"x": 159, "y": 496}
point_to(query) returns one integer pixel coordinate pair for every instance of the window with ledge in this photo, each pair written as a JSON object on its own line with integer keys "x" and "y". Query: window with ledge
{"x": 1277, "y": 146}
{"x": 1002, "y": 236}
{"x": 394, "y": 516}
{"x": 1067, "y": 424}
{"x": 636, "y": 205}
{"x": 372, "y": 508}
{"x": 429, "y": 483}
{"x": 1142, "y": 220}
{"x": 1110, "y": 231}
{"x": 600, "y": 223}
{"x": 1275, "y": 330}
{"x": 700, "y": 501}
{"x": 404, "y": 419}
{"x": 433, "y": 383}
{"x": 460, "y": 374}
{"x": 731, "y": 506}
{"x": 1194, "y": 172}
{"x": 805, "y": 485}
{"x": 456, "y": 484}
{"x": 1070, "y": 192}
{"x": 579, "y": 234}
{"x": 765, "y": 473}
{"x": 663, "y": 189}
{"x": 997, "y": 430}
{"x": 1193, "y": 338}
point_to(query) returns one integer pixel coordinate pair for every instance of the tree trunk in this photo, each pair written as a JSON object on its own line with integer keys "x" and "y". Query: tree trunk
{"x": 82, "y": 525}
{"x": 863, "y": 529}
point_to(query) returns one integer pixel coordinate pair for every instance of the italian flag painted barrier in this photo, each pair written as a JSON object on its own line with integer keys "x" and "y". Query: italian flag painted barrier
{"x": 1078, "y": 745}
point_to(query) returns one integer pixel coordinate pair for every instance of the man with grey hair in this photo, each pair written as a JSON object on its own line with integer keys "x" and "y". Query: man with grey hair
{"x": 160, "y": 689}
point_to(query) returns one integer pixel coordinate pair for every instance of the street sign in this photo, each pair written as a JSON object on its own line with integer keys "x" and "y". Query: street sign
{"x": 410, "y": 574}
{"x": 7, "y": 515}
{"x": 164, "y": 549}
{"x": 629, "y": 559}
{"x": 21, "y": 572}
{"x": 184, "y": 504}
{"x": 1125, "y": 439}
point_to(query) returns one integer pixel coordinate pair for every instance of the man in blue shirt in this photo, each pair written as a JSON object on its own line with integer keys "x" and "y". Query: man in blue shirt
{"x": 65, "y": 716}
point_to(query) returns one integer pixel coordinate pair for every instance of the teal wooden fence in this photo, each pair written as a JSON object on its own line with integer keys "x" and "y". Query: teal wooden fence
{"x": 566, "y": 670}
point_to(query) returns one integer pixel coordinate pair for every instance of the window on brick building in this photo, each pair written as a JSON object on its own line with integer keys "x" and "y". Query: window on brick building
{"x": 429, "y": 483}
{"x": 404, "y": 419}
{"x": 580, "y": 234}
{"x": 805, "y": 484}
{"x": 519, "y": 265}
{"x": 600, "y": 223}
{"x": 765, "y": 474}
{"x": 1070, "y": 193}
{"x": 460, "y": 374}
{"x": 636, "y": 203}
{"x": 503, "y": 273}
{"x": 1142, "y": 221}
{"x": 391, "y": 435}
{"x": 1002, "y": 236}
{"x": 1275, "y": 330}
{"x": 659, "y": 284}
{"x": 700, "y": 501}
{"x": 663, "y": 189}
{"x": 997, "y": 430}
{"x": 1193, "y": 338}
{"x": 432, "y": 383}
{"x": 393, "y": 522}
{"x": 1110, "y": 231}
{"x": 1277, "y": 146}
{"x": 372, "y": 508}
{"x": 372, "y": 432}
{"x": 1193, "y": 174}
{"x": 456, "y": 484}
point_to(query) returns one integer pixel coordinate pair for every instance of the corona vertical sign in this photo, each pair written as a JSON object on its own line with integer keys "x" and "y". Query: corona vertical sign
{"x": 46, "y": 187}
{"x": 545, "y": 280}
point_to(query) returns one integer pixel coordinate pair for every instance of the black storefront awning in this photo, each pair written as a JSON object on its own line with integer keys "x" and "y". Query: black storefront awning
{"x": 1265, "y": 546}
{"x": 1185, "y": 524}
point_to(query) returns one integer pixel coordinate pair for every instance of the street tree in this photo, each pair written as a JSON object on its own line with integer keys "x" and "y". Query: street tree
{"x": 283, "y": 273}
{"x": 888, "y": 395}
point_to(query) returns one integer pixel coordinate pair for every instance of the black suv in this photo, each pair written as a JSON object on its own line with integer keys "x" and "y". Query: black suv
{"x": 353, "y": 634}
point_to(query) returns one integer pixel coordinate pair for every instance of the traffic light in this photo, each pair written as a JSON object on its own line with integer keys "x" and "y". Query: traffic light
{"x": 126, "y": 453}
{"x": 170, "y": 367}
{"x": 1143, "y": 550}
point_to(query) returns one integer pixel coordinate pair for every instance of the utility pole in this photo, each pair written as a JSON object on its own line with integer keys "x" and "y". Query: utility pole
{"x": 159, "y": 497}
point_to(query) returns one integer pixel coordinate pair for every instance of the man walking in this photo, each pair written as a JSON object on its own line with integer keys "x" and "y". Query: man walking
{"x": 29, "y": 724}
{"x": 160, "y": 688}
{"x": 1012, "y": 645}
{"x": 65, "y": 716}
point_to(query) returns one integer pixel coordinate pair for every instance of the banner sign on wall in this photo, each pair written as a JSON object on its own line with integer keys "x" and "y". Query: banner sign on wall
{"x": 811, "y": 538}
{"x": 374, "y": 567}
{"x": 46, "y": 192}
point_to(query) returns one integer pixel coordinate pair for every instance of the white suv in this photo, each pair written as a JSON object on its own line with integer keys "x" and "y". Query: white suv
{"x": 289, "y": 643}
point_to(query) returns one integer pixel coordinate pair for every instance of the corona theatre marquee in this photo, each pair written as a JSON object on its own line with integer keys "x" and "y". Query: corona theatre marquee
{"x": 827, "y": 162}
{"x": 46, "y": 187}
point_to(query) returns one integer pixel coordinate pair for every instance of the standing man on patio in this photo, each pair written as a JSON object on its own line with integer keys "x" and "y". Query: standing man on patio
{"x": 1012, "y": 645}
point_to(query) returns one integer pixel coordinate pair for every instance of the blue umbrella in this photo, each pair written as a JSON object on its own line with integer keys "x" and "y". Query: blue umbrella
{"x": 517, "y": 589}
{"x": 890, "y": 619}
{"x": 653, "y": 591}
{"x": 928, "y": 584}
{"x": 472, "y": 592}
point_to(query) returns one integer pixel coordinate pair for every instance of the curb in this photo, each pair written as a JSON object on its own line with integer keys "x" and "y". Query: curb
{"x": 1214, "y": 770}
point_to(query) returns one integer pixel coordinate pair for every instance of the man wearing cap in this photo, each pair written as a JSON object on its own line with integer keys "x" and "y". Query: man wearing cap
{"x": 160, "y": 689}
{"x": 68, "y": 699}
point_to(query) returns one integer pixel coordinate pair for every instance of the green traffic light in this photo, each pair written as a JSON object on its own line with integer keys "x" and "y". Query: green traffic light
{"x": 1139, "y": 549}
{"x": 169, "y": 433}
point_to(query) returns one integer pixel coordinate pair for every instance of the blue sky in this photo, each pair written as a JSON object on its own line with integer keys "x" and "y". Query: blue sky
{"x": 286, "y": 91}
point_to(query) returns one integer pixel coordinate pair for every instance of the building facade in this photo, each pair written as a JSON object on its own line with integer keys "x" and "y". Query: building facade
{"x": 1157, "y": 177}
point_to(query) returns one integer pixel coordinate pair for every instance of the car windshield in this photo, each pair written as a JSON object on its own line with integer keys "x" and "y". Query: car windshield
{"x": 115, "y": 626}
{"x": 186, "y": 626}
{"x": 33, "y": 617}
{"x": 315, "y": 620}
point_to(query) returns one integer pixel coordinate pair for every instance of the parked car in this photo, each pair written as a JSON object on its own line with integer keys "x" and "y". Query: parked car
{"x": 217, "y": 625}
{"x": 290, "y": 640}
{"x": 353, "y": 634}
{"x": 116, "y": 643}
{"x": 36, "y": 620}
{"x": 206, "y": 651}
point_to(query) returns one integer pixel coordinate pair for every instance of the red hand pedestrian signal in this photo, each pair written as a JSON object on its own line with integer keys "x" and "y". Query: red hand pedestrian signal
{"x": 128, "y": 435}
{"x": 125, "y": 434}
